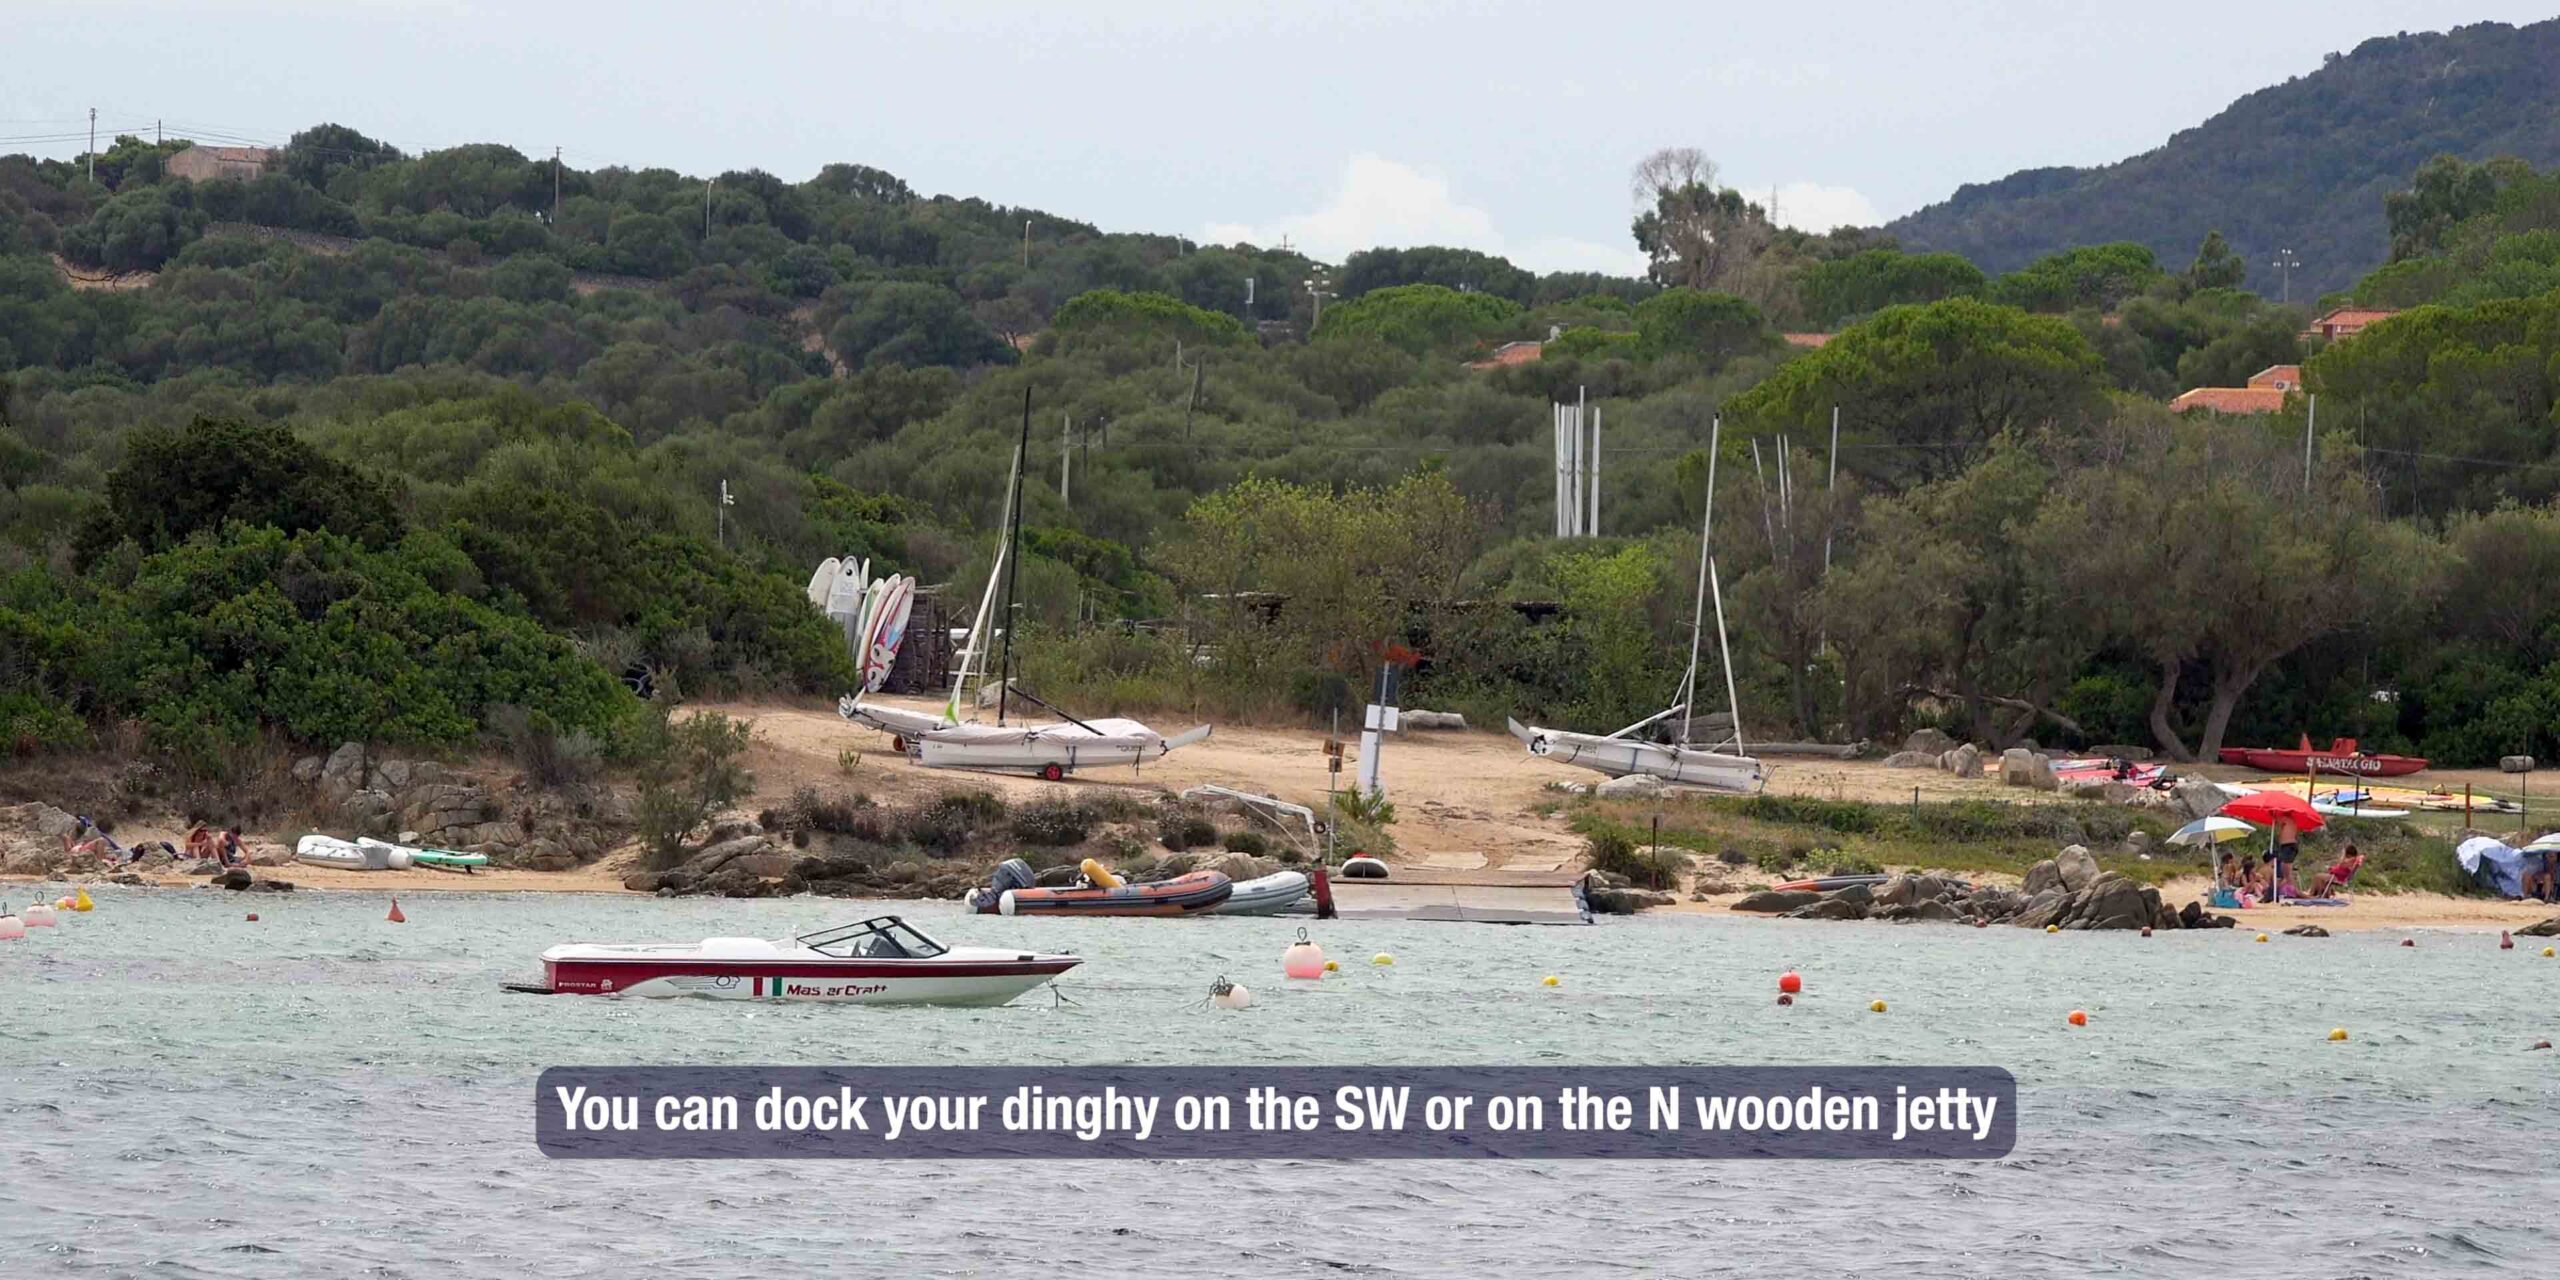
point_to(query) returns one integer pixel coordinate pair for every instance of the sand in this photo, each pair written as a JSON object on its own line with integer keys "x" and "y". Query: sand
{"x": 1474, "y": 810}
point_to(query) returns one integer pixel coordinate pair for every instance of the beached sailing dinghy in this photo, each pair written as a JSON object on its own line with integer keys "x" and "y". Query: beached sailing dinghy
{"x": 1718, "y": 766}
{"x": 1010, "y": 745}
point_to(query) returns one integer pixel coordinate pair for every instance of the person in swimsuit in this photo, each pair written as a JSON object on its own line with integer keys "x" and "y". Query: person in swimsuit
{"x": 2288, "y": 847}
{"x": 2328, "y": 882}
{"x": 232, "y": 854}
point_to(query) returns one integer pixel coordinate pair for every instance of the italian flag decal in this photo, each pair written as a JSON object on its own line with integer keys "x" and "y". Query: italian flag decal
{"x": 769, "y": 987}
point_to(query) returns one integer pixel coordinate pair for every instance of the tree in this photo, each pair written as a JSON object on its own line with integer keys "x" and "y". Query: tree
{"x": 138, "y": 230}
{"x": 1923, "y": 390}
{"x": 2216, "y": 266}
{"x": 317, "y": 154}
{"x": 2445, "y": 192}
{"x": 1878, "y": 278}
{"x": 1108, "y": 315}
{"x": 1463, "y": 269}
{"x": 2098, "y": 275}
{"x": 1419, "y": 317}
{"x": 644, "y": 244}
{"x": 1712, "y": 327}
{"x": 175, "y": 484}
{"x": 2240, "y": 561}
{"x": 905, "y": 323}
{"x": 1696, "y": 233}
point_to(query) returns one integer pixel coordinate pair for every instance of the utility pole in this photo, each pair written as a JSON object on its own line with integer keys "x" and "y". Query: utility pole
{"x": 1194, "y": 406}
{"x": 2285, "y": 262}
{"x": 555, "y": 186}
{"x": 1066, "y": 453}
{"x": 726, "y": 502}
{"x": 2311, "y": 414}
{"x": 1026, "y": 244}
{"x": 707, "y": 184}
{"x": 1315, "y": 290}
{"x": 155, "y": 134}
{"x": 93, "y": 144}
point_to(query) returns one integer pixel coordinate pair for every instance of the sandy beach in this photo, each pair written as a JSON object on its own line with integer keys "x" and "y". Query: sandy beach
{"x": 1477, "y": 820}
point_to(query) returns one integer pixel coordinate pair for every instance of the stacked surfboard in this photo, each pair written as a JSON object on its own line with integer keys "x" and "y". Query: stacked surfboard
{"x": 871, "y": 611}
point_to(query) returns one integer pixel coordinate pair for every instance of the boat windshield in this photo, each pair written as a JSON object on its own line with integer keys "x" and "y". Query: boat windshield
{"x": 879, "y": 938}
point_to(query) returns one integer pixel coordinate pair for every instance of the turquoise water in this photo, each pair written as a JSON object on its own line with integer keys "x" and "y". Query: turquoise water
{"x": 184, "y": 1094}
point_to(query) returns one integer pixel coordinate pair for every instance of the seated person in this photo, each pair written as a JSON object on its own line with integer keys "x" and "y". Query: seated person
{"x": 2329, "y": 882}
{"x": 2542, "y": 874}
{"x": 2253, "y": 878}
{"x": 2227, "y": 872}
{"x": 231, "y": 853}
{"x": 200, "y": 842}
{"x": 93, "y": 839}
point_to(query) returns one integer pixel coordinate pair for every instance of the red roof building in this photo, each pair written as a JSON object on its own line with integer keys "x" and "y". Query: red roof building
{"x": 1809, "y": 341}
{"x": 1511, "y": 353}
{"x": 2264, "y": 394}
{"x": 2346, "y": 322}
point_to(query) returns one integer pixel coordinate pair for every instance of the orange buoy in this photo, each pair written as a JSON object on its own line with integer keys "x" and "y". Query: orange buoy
{"x": 253, "y": 917}
{"x": 2079, "y": 1017}
{"x": 1790, "y": 982}
{"x": 395, "y": 917}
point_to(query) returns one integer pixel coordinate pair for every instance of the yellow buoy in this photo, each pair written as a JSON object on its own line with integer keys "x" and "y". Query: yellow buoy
{"x": 2337, "y": 1033}
{"x": 2053, "y": 928}
{"x": 1551, "y": 981}
{"x": 1382, "y": 958}
{"x": 2546, "y": 953}
{"x": 80, "y": 900}
{"x": 1333, "y": 966}
{"x": 2262, "y": 937}
{"x": 1877, "y": 1007}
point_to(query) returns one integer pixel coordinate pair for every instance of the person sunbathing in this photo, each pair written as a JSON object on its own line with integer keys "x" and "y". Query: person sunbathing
{"x": 2329, "y": 882}
{"x": 81, "y": 843}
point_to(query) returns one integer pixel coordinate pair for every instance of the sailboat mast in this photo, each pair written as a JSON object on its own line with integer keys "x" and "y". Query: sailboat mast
{"x": 1732, "y": 699}
{"x": 1013, "y": 572}
{"x": 975, "y": 653}
{"x": 1698, "y": 613}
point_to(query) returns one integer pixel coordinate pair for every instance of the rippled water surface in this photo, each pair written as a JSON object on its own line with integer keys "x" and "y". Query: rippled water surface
{"x": 185, "y": 1094}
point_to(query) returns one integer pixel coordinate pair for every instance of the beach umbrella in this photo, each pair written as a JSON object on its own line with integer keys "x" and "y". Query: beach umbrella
{"x": 2210, "y": 831}
{"x": 2267, "y": 808}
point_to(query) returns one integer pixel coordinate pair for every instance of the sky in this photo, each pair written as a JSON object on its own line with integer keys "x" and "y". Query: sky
{"x": 1506, "y": 127}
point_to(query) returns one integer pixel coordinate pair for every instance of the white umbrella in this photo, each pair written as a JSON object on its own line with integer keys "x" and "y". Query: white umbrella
{"x": 2213, "y": 830}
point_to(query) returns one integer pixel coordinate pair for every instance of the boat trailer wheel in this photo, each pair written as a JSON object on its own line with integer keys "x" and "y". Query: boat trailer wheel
{"x": 897, "y": 744}
{"x": 1051, "y": 772}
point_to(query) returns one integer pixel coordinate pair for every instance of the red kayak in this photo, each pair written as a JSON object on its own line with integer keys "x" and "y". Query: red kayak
{"x": 2341, "y": 757}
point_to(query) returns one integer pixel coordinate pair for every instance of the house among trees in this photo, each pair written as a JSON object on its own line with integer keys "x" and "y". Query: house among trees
{"x": 205, "y": 164}
{"x": 2264, "y": 394}
{"x": 2345, "y": 322}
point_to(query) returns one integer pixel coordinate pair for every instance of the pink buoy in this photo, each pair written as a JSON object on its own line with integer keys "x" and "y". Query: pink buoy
{"x": 11, "y": 927}
{"x": 39, "y": 916}
{"x": 1303, "y": 959}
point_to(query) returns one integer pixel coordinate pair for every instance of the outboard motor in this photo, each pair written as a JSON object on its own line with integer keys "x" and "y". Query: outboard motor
{"x": 1014, "y": 873}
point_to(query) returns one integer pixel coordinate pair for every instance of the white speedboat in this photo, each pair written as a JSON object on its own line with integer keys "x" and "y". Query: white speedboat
{"x": 1621, "y": 757}
{"x": 883, "y": 960}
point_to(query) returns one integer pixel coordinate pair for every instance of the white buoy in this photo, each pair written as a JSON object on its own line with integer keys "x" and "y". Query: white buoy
{"x": 1229, "y": 995}
{"x": 12, "y": 928}
{"x": 38, "y": 916}
{"x": 1303, "y": 959}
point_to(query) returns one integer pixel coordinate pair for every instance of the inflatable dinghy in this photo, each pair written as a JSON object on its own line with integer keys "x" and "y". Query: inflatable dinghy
{"x": 1181, "y": 896}
{"x": 1267, "y": 895}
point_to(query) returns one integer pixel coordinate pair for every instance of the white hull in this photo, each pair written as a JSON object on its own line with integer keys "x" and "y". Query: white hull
{"x": 1267, "y": 896}
{"x": 1041, "y": 749}
{"x": 919, "y": 971}
{"x": 1626, "y": 757}
{"x": 962, "y": 992}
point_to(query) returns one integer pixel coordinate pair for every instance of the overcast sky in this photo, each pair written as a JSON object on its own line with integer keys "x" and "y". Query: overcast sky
{"x": 1509, "y": 127}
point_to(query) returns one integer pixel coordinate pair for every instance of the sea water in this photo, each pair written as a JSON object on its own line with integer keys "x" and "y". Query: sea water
{"x": 322, "y": 1093}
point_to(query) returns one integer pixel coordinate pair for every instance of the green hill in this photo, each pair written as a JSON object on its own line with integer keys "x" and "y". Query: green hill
{"x": 2300, "y": 165}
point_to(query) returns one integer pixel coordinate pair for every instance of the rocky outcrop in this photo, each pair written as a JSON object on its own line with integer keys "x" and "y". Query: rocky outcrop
{"x": 2307, "y": 931}
{"x": 2541, "y": 929}
{"x": 2197, "y": 798}
{"x": 2069, "y": 890}
{"x": 1412, "y": 721}
{"x": 1929, "y": 742}
{"x": 1965, "y": 761}
{"x": 1776, "y": 900}
{"x": 1911, "y": 760}
{"x": 31, "y": 839}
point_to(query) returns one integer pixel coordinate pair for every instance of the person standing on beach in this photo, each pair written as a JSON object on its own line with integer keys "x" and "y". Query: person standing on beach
{"x": 2280, "y": 863}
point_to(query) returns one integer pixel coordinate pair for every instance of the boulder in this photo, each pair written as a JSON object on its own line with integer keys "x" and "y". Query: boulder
{"x": 1632, "y": 785}
{"x": 2308, "y": 931}
{"x": 2017, "y": 767}
{"x": 2043, "y": 877}
{"x": 2113, "y": 902}
{"x": 1929, "y": 742}
{"x": 2077, "y": 869}
{"x": 1894, "y": 892}
{"x": 2121, "y": 751}
{"x": 1934, "y": 910}
{"x": 1776, "y": 900}
{"x": 1241, "y": 867}
{"x": 644, "y": 881}
{"x": 1830, "y": 909}
{"x": 1931, "y": 888}
{"x": 343, "y": 772}
{"x": 1911, "y": 760}
{"x": 127, "y": 878}
{"x": 235, "y": 878}
{"x": 270, "y": 886}
{"x": 737, "y": 881}
{"x": 205, "y": 867}
{"x": 720, "y": 855}
{"x": 438, "y": 808}
{"x": 2040, "y": 773}
{"x": 2041, "y": 909}
{"x": 2138, "y": 843}
{"x": 1965, "y": 761}
{"x": 265, "y": 853}
{"x": 2198, "y": 798}
{"x": 307, "y": 769}
{"x": 2541, "y": 929}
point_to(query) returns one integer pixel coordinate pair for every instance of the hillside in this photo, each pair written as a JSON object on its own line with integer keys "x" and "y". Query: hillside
{"x": 2301, "y": 165}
